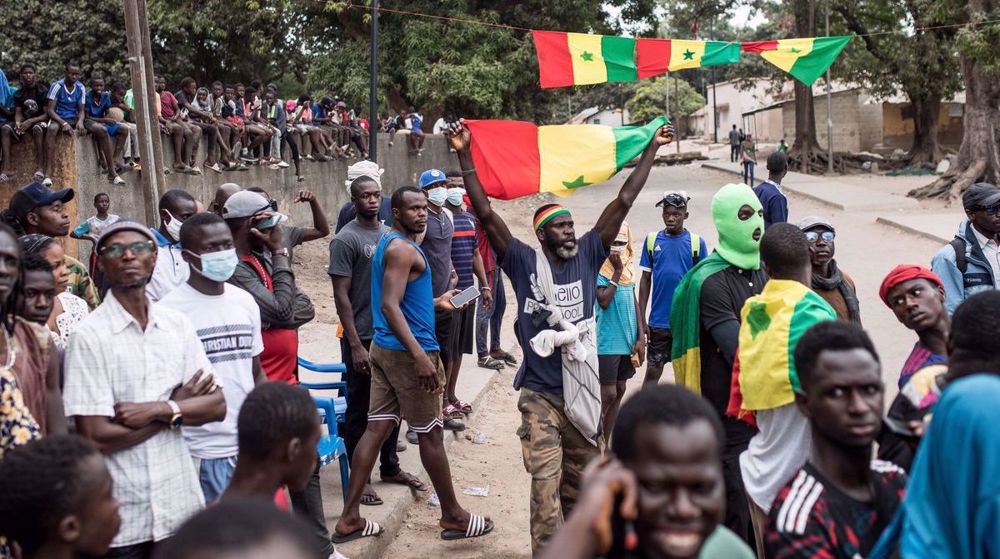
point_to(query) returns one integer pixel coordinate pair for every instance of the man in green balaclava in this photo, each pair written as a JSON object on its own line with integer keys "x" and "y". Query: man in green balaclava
{"x": 705, "y": 321}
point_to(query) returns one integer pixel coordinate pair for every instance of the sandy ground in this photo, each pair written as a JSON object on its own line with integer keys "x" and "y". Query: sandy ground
{"x": 865, "y": 250}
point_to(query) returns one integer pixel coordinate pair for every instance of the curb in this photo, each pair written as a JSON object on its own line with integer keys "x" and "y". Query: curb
{"x": 785, "y": 186}
{"x": 912, "y": 230}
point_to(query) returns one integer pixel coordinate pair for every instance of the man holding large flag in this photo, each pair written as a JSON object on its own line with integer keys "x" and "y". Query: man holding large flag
{"x": 705, "y": 321}
{"x": 555, "y": 288}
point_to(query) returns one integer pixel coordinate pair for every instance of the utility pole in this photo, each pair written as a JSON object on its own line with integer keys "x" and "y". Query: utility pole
{"x": 677, "y": 99}
{"x": 829, "y": 103}
{"x": 140, "y": 59}
{"x": 715, "y": 98}
{"x": 373, "y": 121}
{"x": 621, "y": 102}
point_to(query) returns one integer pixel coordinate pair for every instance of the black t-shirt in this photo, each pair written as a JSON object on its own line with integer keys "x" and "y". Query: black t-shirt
{"x": 38, "y": 97}
{"x": 810, "y": 518}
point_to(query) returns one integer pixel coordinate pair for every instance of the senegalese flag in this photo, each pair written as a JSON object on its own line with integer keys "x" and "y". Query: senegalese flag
{"x": 685, "y": 321}
{"x": 764, "y": 374}
{"x": 656, "y": 56}
{"x": 580, "y": 58}
{"x": 805, "y": 59}
{"x": 515, "y": 158}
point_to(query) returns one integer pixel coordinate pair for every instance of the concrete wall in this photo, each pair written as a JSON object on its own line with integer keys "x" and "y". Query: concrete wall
{"x": 856, "y": 126}
{"x": 77, "y": 167}
{"x": 899, "y": 131}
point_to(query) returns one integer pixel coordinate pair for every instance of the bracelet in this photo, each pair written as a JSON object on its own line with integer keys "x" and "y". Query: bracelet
{"x": 614, "y": 283}
{"x": 468, "y": 171}
{"x": 486, "y": 289}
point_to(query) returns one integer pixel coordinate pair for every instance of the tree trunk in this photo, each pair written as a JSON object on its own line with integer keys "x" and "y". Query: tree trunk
{"x": 926, "y": 112}
{"x": 805, "y": 148}
{"x": 979, "y": 156}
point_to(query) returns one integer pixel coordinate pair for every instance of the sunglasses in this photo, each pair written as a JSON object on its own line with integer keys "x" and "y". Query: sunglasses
{"x": 991, "y": 210}
{"x": 813, "y": 236}
{"x": 117, "y": 250}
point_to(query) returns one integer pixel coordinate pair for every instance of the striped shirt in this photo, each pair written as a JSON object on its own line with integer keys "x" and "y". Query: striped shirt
{"x": 617, "y": 328}
{"x": 919, "y": 358}
{"x": 812, "y": 518}
{"x": 464, "y": 244}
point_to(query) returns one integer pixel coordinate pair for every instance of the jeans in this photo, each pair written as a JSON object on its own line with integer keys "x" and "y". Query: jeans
{"x": 734, "y": 153}
{"x": 359, "y": 387}
{"x": 308, "y": 506}
{"x": 490, "y": 319}
{"x": 748, "y": 171}
{"x": 214, "y": 475}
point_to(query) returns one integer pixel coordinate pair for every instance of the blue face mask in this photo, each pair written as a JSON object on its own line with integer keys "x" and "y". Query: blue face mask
{"x": 455, "y": 196}
{"x": 217, "y": 266}
{"x": 437, "y": 196}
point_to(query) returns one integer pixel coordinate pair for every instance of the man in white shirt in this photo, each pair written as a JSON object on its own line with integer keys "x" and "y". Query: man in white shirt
{"x": 135, "y": 373}
{"x": 171, "y": 270}
{"x": 227, "y": 320}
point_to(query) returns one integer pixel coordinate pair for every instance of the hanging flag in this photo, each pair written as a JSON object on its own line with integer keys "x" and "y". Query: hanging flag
{"x": 805, "y": 59}
{"x": 657, "y": 56}
{"x": 579, "y": 58}
{"x": 764, "y": 375}
{"x": 515, "y": 158}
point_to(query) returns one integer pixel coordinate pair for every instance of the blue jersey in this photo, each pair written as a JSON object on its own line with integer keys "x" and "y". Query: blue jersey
{"x": 617, "y": 327}
{"x": 671, "y": 259}
{"x": 98, "y": 109}
{"x": 69, "y": 102}
{"x": 417, "y": 304}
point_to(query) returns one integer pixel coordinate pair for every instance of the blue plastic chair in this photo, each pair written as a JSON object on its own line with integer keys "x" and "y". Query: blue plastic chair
{"x": 332, "y": 411}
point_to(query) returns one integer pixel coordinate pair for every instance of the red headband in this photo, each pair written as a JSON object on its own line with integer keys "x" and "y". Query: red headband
{"x": 905, "y": 272}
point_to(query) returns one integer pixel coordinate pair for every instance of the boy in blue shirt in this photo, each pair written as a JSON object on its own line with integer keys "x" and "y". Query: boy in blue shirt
{"x": 103, "y": 128}
{"x": 65, "y": 109}
{"x": 666, "y": 256}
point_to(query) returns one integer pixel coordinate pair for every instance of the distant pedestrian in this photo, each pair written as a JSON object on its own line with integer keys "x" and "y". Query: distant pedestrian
{"x": 769, "y": 192}
{"x": 970, "y": 263}
{"x": 734, "y": 145}
{"x": 783, "y": 147}
{"x": 748, "y": 156}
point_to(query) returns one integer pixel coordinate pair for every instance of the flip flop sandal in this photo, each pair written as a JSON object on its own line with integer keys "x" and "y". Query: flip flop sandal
{"x": 450, "y": 411}
{"x": 118, "y": 180}
{"x": 371, "y": 530}
{"x": 478, "y": 526}
{"x": 38, "y": 175}
{"x": 462, "y": 406}
{"x": 370, "y": 500}
{"x": 507, "y": 358}
{"x": 491, "y": 363}
{"x": 407, "y": 479}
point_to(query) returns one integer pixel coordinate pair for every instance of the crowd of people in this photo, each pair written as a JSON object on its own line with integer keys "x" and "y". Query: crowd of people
{"x": 240, "y": 125}
{"x": 162, "y": 377}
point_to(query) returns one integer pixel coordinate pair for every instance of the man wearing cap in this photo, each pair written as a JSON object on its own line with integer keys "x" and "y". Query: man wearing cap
{"x": 348, "y": 211}
{"x": 916, "y": 296}
{"x": 37, "y": 209}
{"x": 171, "y": 270}
{"x": 970, "y": 263}
{"x": 436, "y": 244}
{"x": 769, "y": 192}
{"x": 135, "y": 374}
{"x": 828, "y": 281}
{"x": 557, "y": 282}
{"x": 667, "y": 255}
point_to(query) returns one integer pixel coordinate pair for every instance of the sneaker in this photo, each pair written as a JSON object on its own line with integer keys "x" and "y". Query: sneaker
{"x": 281, "y": 164}
{"x": 452, "y": 424}
{"x": 411, "y": 437}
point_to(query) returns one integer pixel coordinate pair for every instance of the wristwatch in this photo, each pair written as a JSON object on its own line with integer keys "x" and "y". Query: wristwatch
{"x": 282, "y": 252}
{"x": 177, "y": 419}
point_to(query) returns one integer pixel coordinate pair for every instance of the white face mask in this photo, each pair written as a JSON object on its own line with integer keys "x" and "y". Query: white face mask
{"x": 455, "y": 196}
{"x": 217, "y": 266}
{"x": 174, "y": 227}
{"x": 437, "y": 195}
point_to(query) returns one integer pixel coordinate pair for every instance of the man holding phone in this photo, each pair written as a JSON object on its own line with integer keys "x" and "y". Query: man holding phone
{"x": 407, "y": 372}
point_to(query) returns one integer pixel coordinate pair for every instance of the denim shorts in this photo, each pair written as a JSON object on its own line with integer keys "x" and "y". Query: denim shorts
{"x": 214, "y": 475}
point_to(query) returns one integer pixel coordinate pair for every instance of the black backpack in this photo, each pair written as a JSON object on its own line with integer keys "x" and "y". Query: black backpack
{"x": 958, "y": 243}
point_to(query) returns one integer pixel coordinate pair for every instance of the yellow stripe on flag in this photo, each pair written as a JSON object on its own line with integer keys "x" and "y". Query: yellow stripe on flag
{"x": 575, "y": 155}
{"x": 788, "y": 52}
{"x": 588, "y": 63}
{"x": 687, "y": 370}
{"x": 685, "y": 54}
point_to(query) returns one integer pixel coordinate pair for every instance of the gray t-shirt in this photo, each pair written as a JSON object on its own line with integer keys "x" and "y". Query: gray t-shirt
{"x": 351, "y": 254}
{"x": 291, "y": 237}
{"x": 437, "y": 248}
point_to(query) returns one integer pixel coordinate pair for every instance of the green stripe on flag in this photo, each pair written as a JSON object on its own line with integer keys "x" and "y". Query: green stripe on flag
{"x": 809, "y": 311}
{"x": 825, "y": 50}
{"x": 718, "y": 53}
{"x": 619, "y": 58}
{"x": 631, "y": 140}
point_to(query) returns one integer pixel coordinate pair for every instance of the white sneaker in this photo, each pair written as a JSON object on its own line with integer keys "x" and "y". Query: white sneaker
{"x": 282, "y": 164}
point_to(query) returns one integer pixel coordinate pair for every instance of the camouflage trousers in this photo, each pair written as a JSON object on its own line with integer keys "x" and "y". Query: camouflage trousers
{"x": 555, "y": 454}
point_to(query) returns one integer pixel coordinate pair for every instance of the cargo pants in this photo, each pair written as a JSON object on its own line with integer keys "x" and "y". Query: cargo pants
{"x": 555, "y": 454}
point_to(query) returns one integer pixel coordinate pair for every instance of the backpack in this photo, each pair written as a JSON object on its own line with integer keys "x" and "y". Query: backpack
{"x": 695, "y": 247}
{"x": 958, "y": 244}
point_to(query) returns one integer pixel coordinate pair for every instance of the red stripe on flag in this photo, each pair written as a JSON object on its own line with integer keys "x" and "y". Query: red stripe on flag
{"x": 759, "y": 46}
{"x": 505, "y": 153}
{"x": 555, "y": 66}
{"x": 652, "y": 56}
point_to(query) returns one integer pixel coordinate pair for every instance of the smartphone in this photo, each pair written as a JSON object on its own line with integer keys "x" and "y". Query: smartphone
{"x": 270, "y": 222}
{"x": 899, "y": 427}
{"x": 465, "y": 296}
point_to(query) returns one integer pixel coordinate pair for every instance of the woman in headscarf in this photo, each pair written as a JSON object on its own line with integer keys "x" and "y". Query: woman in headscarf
{"x": 618, "y": 321}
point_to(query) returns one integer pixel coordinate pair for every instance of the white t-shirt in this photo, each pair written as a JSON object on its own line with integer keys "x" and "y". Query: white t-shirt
{"x": 775, "y": 453}
{"x": 170, "y": 271}
{"x": 229, "y": 328}
{"x": 440, "y": 126}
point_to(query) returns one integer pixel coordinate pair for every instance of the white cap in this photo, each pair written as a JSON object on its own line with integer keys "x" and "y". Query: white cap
{"x": 363, "y": 168}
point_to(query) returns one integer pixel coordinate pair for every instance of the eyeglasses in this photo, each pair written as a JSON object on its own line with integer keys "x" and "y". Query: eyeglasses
{"x": 117, "y": 250}
{"x": 273, "y": 205}
{"x": 991, "y": 210}
{"x": 827, "y": 236}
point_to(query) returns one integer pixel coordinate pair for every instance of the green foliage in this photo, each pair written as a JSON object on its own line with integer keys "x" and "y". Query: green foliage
{"x": 649, "y": 99}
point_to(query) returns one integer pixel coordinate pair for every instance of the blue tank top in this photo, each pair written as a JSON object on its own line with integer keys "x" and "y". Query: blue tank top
{"x": 417, "y": 304}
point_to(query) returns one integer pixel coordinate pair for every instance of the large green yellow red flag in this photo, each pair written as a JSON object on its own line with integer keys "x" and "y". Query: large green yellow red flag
{"x": 771, "y": 323}
{"x": 805, "y": 59}
{"x": 515, "y": 158}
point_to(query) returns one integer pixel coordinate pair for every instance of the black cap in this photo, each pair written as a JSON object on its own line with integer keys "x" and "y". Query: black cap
{"x": 980, "y": 195}
{"x": 35, "y": 195}
{"x": 675, "y": 198}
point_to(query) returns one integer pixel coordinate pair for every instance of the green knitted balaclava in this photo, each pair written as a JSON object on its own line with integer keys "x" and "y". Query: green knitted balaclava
{"x": 736, "y": 243}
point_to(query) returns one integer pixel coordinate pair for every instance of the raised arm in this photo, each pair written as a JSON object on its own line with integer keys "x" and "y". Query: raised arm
{"x": 497, "y": 231}
{"x": 611, "y": 219}
{"x": 320, "y": 228}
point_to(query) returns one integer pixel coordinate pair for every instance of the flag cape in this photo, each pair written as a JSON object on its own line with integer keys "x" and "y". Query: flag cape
{"x": 805, "y": 59}
{"x": 764, "y": 375}
{"x": 515, "y": 158}
{"x": 685, "y": 322}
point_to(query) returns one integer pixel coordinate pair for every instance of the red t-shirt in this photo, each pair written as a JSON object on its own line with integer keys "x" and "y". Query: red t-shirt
{"x": 168, "y": 105}
{"x": 281, "y": 345}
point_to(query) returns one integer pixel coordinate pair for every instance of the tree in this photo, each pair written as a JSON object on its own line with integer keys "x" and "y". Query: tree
{"x": 979, "y": 156}
{"x": 649, "y": 98}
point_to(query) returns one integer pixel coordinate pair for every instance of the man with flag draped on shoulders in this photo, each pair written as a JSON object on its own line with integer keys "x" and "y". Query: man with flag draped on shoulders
{"x": 705, "y": 320}
{"x": 555, "y": 285}
{"x": 764, "y": 378}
